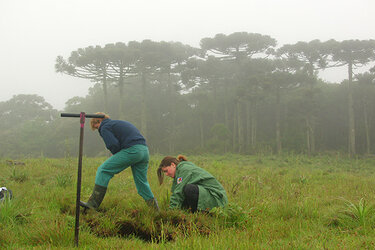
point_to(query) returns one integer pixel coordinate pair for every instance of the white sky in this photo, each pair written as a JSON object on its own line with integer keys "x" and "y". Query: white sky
{"x": 34, "y": 32}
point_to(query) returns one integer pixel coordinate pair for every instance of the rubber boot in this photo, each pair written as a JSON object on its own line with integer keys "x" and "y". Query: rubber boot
{"x": 153, "y": 203}
{"x": 95, "y": 199}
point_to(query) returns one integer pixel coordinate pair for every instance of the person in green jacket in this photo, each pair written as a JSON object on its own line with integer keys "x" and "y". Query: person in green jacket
{"x": 193, "y": 187}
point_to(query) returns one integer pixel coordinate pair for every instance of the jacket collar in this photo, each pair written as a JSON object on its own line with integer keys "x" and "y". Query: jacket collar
{"x": 103, "y": 123}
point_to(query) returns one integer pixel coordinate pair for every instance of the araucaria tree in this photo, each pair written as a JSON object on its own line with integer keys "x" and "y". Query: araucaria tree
{"x": 353, "y": 53}
{"x": 89, "y": 63}
{"x": 307, "y": 58}
{"x": 237, "y": 48}
{"x": 236, "y": 93}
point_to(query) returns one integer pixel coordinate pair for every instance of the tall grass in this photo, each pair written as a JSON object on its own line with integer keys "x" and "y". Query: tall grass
{"x": 275, "y": 202}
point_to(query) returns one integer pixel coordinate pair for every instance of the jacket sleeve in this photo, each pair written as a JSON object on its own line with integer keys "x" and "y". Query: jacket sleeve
{"x": 111, "y": 142}
{"x": 178, "y": 197}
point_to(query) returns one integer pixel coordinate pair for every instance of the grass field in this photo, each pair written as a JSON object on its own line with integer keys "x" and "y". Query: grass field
{"x": 284, "y": 202}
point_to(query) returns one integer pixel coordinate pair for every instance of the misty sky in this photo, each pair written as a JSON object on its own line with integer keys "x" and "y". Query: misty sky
{"x": 34, "y": 32}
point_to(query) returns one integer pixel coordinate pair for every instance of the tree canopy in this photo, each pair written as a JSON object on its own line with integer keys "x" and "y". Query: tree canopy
{"x": 236, "y": 93}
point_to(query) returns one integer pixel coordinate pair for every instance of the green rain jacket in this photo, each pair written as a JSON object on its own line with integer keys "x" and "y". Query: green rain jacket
{"x": 211, "y": 192}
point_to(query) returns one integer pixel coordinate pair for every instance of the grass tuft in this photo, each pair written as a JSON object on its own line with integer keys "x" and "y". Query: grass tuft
{"x": 16, "y": 176}
{"x": 354, "y": 215}
{"x": 231, "y": 215}
{"x": 63, "y": 180}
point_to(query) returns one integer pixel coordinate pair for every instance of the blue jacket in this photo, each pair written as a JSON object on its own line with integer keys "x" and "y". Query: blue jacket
{"x": 118, "y": 135}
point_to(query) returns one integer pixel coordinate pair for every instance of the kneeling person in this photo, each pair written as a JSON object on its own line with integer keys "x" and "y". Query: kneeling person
{"x": 193, "y": 187}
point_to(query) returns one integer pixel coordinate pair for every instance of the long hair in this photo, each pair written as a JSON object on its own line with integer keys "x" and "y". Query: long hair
{"x": 167, "y": 161}
{"x": 94, "y": 121}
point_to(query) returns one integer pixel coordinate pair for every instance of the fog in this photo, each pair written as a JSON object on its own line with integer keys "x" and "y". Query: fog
{"x": 34, "y": 33}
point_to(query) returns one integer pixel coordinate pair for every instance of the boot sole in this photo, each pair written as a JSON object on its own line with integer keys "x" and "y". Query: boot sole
{"x": 84, "y": 205}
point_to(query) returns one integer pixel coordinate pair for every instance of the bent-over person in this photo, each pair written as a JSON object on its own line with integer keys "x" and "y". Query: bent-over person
{"x": 128, "y": 148}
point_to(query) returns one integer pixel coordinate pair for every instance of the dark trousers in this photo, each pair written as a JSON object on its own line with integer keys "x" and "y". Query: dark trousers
{"x": 191, "y": 192}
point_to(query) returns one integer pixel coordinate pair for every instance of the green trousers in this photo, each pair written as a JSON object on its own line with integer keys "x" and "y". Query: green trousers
{"x": 137, "y": 158}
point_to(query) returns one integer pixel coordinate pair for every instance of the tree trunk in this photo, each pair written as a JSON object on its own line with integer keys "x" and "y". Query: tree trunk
{"x": 105, "y": 92}
{"x": 240, "y": 127}
{"x": 248, "y": 127}
{"x": 201, "y": 130}
{"x": 215, "y": 102}
{"x": 308, "y": 136}
{"x": 351, "y": 144}
{"x": 172, "y": 113}
{"x": 144, "y": 107}
{"x": 310, "y": 116}
{"x": 226, "y": 115}
{"x": 254, "y": 123}
{"x": 226, "y": 110}
{"x": 312, "y": 137}
{"x": 234, "y": 130}
{"x": 227, "y": 124}
{"x": 278, "y": 132}
{"x": 367, "y": 131}
{"x": 121, "y": 92}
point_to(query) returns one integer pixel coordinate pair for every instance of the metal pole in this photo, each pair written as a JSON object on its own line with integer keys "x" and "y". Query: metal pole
{"x": 82, "y": 117}
{"x": 79, "y": 176}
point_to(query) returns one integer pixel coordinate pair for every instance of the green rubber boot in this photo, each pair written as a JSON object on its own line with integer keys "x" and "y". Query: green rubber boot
{"x": 153, "y": 203}
{"x": 95, "y": 199}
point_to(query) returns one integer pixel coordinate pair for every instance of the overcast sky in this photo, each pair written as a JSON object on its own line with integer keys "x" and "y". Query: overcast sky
{"x": 34, "y": 32}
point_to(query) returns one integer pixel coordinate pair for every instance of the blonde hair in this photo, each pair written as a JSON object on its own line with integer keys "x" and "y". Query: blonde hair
{"x": 167, "y": 161}
{"x": 94, "y": 121}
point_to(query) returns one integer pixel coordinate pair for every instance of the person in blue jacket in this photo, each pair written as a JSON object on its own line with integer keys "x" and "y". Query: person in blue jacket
{"x": 128, "y": 148}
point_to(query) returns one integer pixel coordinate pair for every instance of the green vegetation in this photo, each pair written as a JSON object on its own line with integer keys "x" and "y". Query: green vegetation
{"x": 276, "y": 202}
